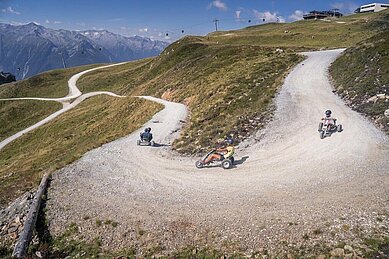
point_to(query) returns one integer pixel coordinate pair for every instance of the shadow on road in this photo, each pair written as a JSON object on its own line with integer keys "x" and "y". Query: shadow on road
{"x": 241, "y": 161}
{"x": 161, "y": 145}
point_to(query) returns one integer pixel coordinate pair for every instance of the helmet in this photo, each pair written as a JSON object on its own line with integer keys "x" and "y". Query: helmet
{"x": 230, "y": 141}
{"x": 328, "y": 113}
{"x": 147, "y": 129}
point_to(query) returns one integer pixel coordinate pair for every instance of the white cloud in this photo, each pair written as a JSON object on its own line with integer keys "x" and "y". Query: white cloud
{"x": 57, "y": 22}
{"x": 17, "y": 23}
{"x": 237, "y": 14}
{"x": 9, "y": 9}
{"x": 143, "y": 30}
{"x": 123, "y": 28}
{"x": 297, "y": 15}
{"x": 218, "y": 4}
{"x": 47, "y": 21}
{"x": 268, "y": 16}
{"x": 345, "y": 7}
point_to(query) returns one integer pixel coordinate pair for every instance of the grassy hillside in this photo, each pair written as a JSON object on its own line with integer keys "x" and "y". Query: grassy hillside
{"x": 361, "y": 77}
{"x": 227, "y": 88}
{"x": 50, "y": 84}
{"x": 311, "y": 34}
{"x": 13, "y": 115}
{"x": 18, "y": 115}
{"x": 96, "y": 121}
{"x": 56, "y": 144}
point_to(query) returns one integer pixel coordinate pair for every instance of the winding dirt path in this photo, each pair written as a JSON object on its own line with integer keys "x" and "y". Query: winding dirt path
{"x": 70, "y": 101}
{"x": 283, "y": 188}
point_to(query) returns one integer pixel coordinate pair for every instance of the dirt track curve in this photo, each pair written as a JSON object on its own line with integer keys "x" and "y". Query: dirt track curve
{"x": 285, "y": 186}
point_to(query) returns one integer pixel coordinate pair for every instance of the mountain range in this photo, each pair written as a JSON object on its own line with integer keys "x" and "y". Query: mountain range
{"x": 26, "y": 50}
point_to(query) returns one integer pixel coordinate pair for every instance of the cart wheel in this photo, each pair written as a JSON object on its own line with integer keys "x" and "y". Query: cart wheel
{"x": 199, "y": 164}
{"x": 227, "y": 164}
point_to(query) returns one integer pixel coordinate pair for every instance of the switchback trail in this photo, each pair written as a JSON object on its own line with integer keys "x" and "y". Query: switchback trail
{"x": 283, "y": 190}
{"x": 70, "y": 101}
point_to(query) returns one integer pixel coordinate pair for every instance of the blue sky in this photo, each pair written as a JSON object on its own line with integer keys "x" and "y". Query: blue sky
{"x": 157, "y": 18}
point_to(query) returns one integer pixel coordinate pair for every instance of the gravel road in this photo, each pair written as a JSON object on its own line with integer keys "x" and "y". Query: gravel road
{"x": 290, "y": 190}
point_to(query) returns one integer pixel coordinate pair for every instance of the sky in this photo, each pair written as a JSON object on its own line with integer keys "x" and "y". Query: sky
{"x": 162, "y": 19}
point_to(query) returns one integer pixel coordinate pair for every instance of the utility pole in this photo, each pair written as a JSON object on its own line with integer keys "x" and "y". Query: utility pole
{"x": 215, "y": 21}
{"x": 335, "y": 11}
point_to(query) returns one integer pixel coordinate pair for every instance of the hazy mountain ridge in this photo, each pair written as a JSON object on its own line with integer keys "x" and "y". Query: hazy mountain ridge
{"x": 29, "y": 49}
{"x": 125, "y": 48}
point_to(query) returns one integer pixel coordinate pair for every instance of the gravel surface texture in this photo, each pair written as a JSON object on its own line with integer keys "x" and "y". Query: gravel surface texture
{"x": 290, "y": 191}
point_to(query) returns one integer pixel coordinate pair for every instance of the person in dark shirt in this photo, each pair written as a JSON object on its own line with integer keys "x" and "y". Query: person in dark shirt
{"x": 146, "y": 135}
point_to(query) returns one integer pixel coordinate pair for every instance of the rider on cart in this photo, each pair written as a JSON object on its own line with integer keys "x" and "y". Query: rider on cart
{"x": 328, "y": 119}
{"x": 146, "y": 135}
{"x": 222, "y": 153}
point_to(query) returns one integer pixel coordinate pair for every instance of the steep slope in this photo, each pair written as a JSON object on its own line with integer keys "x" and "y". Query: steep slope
{"x": 227, "y": 88}
{"x": 361, "y": 77}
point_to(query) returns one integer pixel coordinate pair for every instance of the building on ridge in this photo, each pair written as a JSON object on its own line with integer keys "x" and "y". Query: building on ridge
{"x": 322, "y": 14}
{"x": 370, "y": 8}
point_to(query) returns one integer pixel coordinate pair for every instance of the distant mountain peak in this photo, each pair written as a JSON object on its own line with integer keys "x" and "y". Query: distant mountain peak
{"x": 28, "y": 49}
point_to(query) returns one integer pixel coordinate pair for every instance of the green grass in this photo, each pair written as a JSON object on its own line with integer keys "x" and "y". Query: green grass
{"x": 5, "y": 252}
{"x": 96, "y": 121}
{"x": 50, "y": 84}
{"x": 13, "y": 115}
{"x": 310, "y": 34}
{"x": 361, "y": 73}
{"x": 379, "y": 247}
{"x": 116, "y": 79}
{"x": 69, "y": 244}
{"x": 18, "y": 115}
